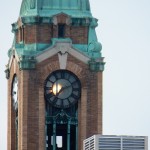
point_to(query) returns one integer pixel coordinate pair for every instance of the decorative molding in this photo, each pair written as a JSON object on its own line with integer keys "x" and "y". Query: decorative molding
{"x": 97, "y": 65}
{"x": 27, "y": 62}
{"x": 61, "y": 18}
{"x": 76, "y": 69}
{"x": 62, "y": 59}
{"x": 55, "y": 20}
{"x": 50, "y": 67}
{"x": 10, "y": 62}
{"x": 14, "y": 54}
{"x": 7, "y": 72}
{"x": 62, "y": 48}
{"x": 32, "y": 4}
{"x": 19, "y": 23}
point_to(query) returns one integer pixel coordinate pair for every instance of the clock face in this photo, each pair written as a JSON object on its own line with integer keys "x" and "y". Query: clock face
{"x": 14, "y": 92}
{"x": 62, "y": 89}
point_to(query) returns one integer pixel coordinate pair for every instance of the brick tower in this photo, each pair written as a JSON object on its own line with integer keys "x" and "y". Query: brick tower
{"x": 54, "y": 76}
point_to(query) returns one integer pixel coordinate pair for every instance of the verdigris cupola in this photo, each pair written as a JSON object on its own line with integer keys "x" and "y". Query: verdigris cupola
{"x": 43, "y": 23}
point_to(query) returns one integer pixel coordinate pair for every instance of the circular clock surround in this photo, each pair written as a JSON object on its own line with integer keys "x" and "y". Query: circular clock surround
{"x": 14, "y": 92}
{"x": 62, "y": 89}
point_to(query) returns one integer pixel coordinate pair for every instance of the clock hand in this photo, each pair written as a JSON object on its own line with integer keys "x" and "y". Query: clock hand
{"x": 63, "y": 88}
{"x": 59, "y": 91}
{"x": 66, "y": 87}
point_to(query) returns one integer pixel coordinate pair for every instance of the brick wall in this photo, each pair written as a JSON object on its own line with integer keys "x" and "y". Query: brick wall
{"x": 37, "y": 33}
{"x": 31, "y": 111}
{"x": 31, "y": 107}
{"x": 42, "y": 33}
{"x": 79, "y": 35}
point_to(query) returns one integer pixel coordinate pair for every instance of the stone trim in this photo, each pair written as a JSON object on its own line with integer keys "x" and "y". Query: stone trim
{"x": 62, "y": 47}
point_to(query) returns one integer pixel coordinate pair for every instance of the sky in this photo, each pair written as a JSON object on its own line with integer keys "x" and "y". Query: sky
{"x": 124, "y": 31}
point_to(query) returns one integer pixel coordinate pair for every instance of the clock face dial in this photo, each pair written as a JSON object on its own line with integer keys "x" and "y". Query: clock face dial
{"x": 62, "y": 89}
{"x": 14, "y": 91}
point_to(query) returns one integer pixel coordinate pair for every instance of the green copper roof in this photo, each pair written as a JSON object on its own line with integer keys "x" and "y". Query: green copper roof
{"x": 75, "y": 8}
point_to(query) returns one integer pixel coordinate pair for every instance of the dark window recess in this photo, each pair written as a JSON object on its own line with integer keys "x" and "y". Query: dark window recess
{"x": 61, "y": 30}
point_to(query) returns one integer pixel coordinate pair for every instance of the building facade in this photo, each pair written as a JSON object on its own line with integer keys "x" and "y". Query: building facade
{"x": 54, "y": 76}
{"x": 112, "y": 142}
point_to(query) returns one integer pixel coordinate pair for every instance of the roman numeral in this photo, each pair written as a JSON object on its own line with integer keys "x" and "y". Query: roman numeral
{"x": 75, "y": 89}
{"x": 49, "y": 80}
{"x": 48, "y": 88}
{"x": 62, "y": 75}
{"x": 66, "y": 103}
{"x": 74, "y": 82}
{"x": 67, "y": 76}
{"x": 74, "y": 96}
{"x": 49, "y": 95}
{"x": 54, "y": 100}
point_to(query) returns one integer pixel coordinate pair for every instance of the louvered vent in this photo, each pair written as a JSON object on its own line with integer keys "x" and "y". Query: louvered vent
{"x": 106, "y": 142}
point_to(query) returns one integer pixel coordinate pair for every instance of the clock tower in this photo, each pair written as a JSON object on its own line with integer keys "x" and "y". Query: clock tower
{"x": 54, "y": 76}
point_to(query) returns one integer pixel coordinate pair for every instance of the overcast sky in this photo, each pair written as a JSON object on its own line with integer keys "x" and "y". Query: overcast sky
{"x": 124, "y": 31}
